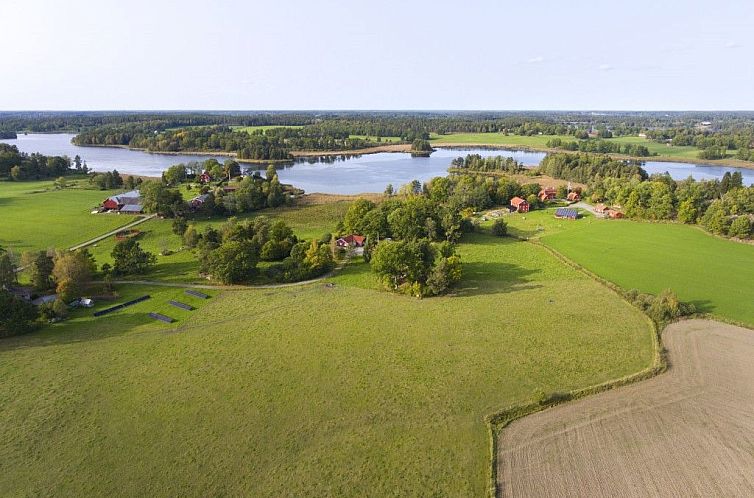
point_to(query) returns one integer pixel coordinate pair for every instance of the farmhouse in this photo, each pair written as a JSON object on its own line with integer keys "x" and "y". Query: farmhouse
{"x": 128, "y": 202}
{"x": 205, "y": 177}
{"x": 614, "y": 214}
{"x": 547, "y": 194}
{"x": 573, "y": 197}
{"x": 519, "y": 205}
{"x": 566, "y": 214}
{"x": 351, "y": 241}
{"x": 600, "y": 208}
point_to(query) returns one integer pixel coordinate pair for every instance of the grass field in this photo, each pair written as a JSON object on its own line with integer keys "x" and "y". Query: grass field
{"x": 35, "y": 216}
{"x": 313, "y": 390}
{"x": 713, "y": 273}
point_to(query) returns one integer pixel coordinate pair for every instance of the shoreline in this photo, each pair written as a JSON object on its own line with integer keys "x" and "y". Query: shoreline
{"x": 727, "y": 163}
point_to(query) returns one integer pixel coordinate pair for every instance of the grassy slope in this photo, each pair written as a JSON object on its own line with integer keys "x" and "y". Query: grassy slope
{"x": 307, "y": 391}
{"x": 713, "y": 273}
{"x": 35, "y": 216}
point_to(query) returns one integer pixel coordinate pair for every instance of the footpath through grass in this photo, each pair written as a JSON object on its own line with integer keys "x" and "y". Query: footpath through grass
{"x": 716, "y": 275}
{"x": 317, "y": 391}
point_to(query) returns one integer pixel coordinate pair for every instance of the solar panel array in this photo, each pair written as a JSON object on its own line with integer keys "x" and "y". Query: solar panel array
{"x": 566, "y": 213}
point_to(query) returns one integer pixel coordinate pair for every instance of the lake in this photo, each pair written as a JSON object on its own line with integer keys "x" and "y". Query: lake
{"x": 330, "y": 174}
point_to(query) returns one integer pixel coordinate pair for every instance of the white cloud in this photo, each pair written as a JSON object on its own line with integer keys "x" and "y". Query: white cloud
{"x": 606, "y": 67}
{"x": 536, "y": 60}
{"x": 732, "y": 44}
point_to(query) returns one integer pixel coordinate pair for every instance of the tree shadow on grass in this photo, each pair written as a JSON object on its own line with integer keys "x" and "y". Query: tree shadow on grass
{"x": 703, "y": 306}
{"x": 75, "y": 331}
{"x": 494, "y": 278}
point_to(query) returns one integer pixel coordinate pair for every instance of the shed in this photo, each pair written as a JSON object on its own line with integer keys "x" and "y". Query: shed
{"x": 132, "y": 209}
{"x": 600, "y": 208}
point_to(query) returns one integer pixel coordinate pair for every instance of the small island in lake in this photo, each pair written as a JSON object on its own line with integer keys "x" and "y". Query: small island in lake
{"x": 421, "y": 148}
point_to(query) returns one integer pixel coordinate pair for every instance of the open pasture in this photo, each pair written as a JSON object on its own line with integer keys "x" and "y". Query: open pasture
{"x": 35, "y": 216}
{"x": 313, "y": 390}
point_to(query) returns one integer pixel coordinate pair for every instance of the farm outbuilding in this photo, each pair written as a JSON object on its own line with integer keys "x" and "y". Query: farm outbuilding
{"x": 520, "y": 205}
{"x": 573, "y": 197}
{"x": 614, "y": 214}
{"x": 128, "y": 202}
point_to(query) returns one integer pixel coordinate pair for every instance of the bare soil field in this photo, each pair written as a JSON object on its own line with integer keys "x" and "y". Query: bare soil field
{"x": 688, "y": 432}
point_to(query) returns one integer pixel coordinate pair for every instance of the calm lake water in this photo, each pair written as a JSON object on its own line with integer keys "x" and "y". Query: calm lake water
{"x": 334, "y": 174}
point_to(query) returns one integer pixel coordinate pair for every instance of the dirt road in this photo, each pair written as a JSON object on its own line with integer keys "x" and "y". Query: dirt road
{"x": 688, "y": 432}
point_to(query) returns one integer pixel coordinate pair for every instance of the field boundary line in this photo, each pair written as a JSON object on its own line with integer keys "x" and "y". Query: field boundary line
{"x": 498, "y": 421}
{"x": 112, "y": 232}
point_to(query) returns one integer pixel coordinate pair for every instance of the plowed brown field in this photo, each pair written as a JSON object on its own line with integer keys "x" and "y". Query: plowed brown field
{"x": 688, "y": 432}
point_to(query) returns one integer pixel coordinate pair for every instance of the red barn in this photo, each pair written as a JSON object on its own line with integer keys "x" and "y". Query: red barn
{"x": 205, "y": 178}
{"x": 111, "y": 204}
{"x": 520, "y": 205}
{"x": 547, "y": 194}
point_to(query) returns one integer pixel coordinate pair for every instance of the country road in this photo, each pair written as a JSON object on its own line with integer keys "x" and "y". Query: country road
{"x": 112, "y": 232}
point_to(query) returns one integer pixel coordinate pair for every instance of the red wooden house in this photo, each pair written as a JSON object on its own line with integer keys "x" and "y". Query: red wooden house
{"x": 547, "y": 194}
{"x": 520, "y": 205}
{"x": 205, "y": 177}
{"x": 574, "y": 197}
{"x": 351, "y": 241}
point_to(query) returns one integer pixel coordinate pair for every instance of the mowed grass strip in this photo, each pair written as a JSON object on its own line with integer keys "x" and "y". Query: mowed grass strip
{"x": 317, "y": 391}
{"x": 35, "y": 216}
{"x": 714, "y": 274}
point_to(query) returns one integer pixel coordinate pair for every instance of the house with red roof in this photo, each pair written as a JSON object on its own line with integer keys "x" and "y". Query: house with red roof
{"x": 520, "y": 205}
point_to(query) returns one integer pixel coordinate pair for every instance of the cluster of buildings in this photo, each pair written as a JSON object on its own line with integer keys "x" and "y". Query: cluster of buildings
{"x": 126, "y": 203}
{"x": 608, "y": 212}
{"x": 547, "y": 194}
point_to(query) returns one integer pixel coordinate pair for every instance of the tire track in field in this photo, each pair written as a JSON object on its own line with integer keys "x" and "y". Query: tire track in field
{"x": 689, "y": 432}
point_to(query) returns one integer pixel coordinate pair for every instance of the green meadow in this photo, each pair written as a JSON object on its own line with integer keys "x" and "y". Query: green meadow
{"x": 713, "y": 273}
{"x": 315, "y": 390}
{"x": 35, "y": 216}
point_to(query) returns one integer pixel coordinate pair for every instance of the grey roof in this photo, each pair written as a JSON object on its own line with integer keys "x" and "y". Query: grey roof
{"x": 131, "y": 208}
{"x": 44, "y": 300}
{"x": 200, "y": 198}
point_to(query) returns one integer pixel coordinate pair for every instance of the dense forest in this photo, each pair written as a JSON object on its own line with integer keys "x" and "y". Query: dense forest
{"x": 584, "y": 168}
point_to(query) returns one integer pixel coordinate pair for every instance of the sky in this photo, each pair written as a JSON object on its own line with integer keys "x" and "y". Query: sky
{"x": 320, "y": 54}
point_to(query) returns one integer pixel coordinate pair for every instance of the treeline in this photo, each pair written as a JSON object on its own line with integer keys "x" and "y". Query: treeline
{"x": 722, "y": 207}
{"x": 475, "y": 162}
{"x": 270, "y": 144}
{"x": 599, "y": 146}
{"x": 584, "y": 168}
{"x": 17, "y": 166}
{"x": 48, "y": 122}
{"x": 714, "y": 144}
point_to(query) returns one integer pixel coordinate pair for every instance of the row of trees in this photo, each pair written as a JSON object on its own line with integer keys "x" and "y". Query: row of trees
{"x": 585, "y": 168}
{"x": 18, "y": 166}
{"x": 475, "y": 162}
{"x": 599, "y": 146}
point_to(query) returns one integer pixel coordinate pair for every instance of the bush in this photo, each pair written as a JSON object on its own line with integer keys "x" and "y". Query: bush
{"x": 741, "y": 227}
{"x": 499, "y": 228}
